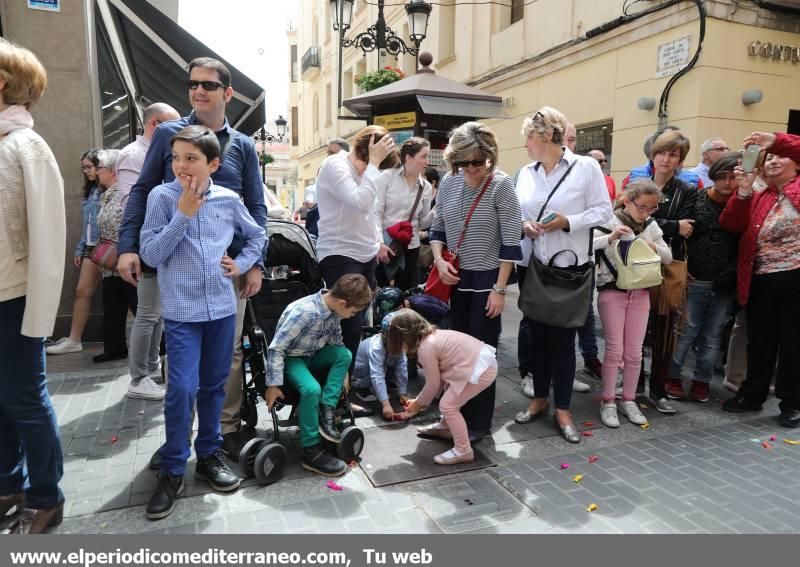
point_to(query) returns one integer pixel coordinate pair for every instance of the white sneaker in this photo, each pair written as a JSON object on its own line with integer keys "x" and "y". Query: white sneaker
{"x": 64, "y": 346}
{"x": 664, "y": 405}
{"x": 527, "y": 386}
{"x": 608, "y": 415}
{"x": 146, "y": 389}
{"x": 630, "y": 410}
{"x": 578, "y": 386}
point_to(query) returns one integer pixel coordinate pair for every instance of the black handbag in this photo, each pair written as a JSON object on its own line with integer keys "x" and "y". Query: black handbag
{"x": 558, "y": 296}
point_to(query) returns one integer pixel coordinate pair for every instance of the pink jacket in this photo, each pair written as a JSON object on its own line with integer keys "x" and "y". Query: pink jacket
{"x": 448, "y": 358}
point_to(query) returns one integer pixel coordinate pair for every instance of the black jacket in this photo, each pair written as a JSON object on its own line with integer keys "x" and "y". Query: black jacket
{"x": 678, "y": 204}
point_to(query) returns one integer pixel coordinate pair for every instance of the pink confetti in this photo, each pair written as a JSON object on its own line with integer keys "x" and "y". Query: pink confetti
{"x": 587, "y": 424}
{"x": 333, "y": 486}
{"x": 593, "y": 459}
{"x": 766, "y": 445}
{"x": 564, "y": 466}
{"x": 587, "y": 433}
{"x": 114, "y": 439}
{"x": 773, "y": 437}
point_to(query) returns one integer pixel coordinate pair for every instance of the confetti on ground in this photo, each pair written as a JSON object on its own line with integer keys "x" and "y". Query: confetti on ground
{"x": 593, "y": 459}
{"x": 587, "y": 433}
{"x": 114, "y": 439}
{"x": 791, "y": 442}
{"x": 645, "y": 426}
{"x": 592, "y": 507}
{"x": 766, "y": 445}
{"x": 333, "y": 486}
{"x": 754, "y": 440}
{"x": 643, "y": 406}
{"x": 141, "y": 412}
{"x": 773, "y": 437}
{"x": 577, "y": 478}
{"x": 103, "y": 525}
{"x": 369, "y": 466}
{"x": 353, "y": 463}
{"x": 588, "y": 424}
{"x": 398, "y": 417}
{"x": 564, "y": 466}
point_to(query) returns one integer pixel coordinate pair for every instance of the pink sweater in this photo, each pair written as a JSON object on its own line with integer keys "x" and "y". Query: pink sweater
{"x": 448, "y": 358}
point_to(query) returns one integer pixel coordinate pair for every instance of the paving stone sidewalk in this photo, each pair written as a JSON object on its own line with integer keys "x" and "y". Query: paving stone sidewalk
{"x": 701, "y": 471}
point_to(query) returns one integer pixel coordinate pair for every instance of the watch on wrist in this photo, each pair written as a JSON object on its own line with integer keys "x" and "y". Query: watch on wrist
{"x": 497, "y": 289}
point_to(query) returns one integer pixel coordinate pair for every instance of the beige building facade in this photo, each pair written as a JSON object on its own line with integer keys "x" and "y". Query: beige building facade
{"x": 606, "y": 71}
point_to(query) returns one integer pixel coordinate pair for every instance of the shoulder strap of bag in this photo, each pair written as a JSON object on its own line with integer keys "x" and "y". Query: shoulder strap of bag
{"x": 560, "y": 181}
{"x": 608, "y": 263}
{"x": 420, "y": 187}
{"x": 472, "y": 210}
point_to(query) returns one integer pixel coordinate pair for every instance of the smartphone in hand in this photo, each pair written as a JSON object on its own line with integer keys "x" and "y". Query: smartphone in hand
{"x": 750, "y": 159}
{"x": 549, "y": 218}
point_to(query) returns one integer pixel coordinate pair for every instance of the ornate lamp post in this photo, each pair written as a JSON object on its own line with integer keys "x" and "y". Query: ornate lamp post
{"x": 265, "y": 138}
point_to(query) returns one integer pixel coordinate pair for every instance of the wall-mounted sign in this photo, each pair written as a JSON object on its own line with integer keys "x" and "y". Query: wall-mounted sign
{"x": 774, "y": 51}
{"x": 398, "y": 121}
{"x": 672, "y": 56}
{"x": 48, "y": 5}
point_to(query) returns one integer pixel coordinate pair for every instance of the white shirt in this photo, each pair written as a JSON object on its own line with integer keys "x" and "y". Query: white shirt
{"x": 582, "y": 198}
{"x": 394, "y": 199}
{"x": 702, "y": 172}
{"x": 347, "y": 223}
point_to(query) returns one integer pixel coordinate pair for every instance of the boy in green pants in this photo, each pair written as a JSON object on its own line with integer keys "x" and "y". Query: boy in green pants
{"x": 308, "y": 340}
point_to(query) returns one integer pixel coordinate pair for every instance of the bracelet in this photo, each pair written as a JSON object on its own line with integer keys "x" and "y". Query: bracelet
{"x": 497, "y": 289}
{"x": 743, "y": 195}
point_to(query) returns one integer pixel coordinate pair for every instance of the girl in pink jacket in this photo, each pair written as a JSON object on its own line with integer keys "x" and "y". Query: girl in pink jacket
{"x": 454, "y": 363}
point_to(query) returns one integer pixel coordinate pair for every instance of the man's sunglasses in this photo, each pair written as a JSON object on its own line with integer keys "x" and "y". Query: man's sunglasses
{"x": 602, "y": 161}
{"x": 473, "y": 163}
{"x": 207, "y": 85}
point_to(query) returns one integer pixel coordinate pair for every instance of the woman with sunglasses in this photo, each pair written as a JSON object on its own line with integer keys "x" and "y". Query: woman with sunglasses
{"x": 486, "y": 255}
{"x": 89, "y": 274}
{"x": 580, "y": 201}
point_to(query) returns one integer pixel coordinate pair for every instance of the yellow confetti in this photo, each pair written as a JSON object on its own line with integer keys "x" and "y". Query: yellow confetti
{"x": 577, "y": 478}
{"x": 643, "y": 406}
{"x": 645, "y": 425}
{"x": 791, "y": 442}
{"x": 592, "y": 507}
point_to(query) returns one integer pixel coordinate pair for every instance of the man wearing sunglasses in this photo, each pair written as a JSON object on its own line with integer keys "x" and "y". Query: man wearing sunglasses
{"x": 209, "y": 89}
{"x": 711, "y": 150}
{"x": 611, "y": 185}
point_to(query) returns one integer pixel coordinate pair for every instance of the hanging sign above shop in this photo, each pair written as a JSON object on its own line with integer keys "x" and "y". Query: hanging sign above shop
{"x": 48, "y": 5}
{"x": 774, "y": 51}
{"x": 672, "y": 56}
{"x": 398, "y": 121}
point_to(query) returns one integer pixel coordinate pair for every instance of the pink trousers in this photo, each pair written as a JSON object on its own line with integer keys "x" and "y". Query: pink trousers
{"x": 450, "y": 408}
{"x": 624, "y": 315}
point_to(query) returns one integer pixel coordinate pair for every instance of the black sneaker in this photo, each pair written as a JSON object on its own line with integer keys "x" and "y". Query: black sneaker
{"x": 366, "y": 396}
{"x": 327, "y": 423}
{"x": 738, "y": 404}
{"x": 215, "y": 472}
{"x": 233, "y": 442}
{"x": 316, "y": 459}
{"x": 162, "y": 502}
{"x": 789, "y": 418}
{"x": 155, "y": 461}
{"x": 108, "y": 357}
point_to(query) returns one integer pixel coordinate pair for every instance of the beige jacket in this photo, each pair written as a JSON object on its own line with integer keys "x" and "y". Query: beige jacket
{"x": 32, "y": 229}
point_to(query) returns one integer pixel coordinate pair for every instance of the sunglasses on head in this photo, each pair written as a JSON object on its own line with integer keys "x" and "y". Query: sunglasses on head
{"x": 207, "y": 85}
{"x": 537, "y": 115}
{"x": 472, "y": 162}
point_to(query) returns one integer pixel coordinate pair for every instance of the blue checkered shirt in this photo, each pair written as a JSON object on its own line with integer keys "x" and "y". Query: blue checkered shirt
{"x": 187, "y": 251}
{"x": 306, "y": 326}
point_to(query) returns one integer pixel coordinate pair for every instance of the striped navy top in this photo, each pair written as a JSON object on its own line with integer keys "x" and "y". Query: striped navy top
{"x": 492, "y": 234}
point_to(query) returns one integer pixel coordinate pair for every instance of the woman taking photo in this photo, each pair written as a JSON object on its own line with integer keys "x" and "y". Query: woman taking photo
{"x": 118, "y": 295}
{"x": 32, "y": 240}
{"x": 90, "y": 274}
{"x": 769, "y": 275}
{"x": 348, "y": 241}
{"x": 579, "y": 202}
{"x": 487, "y": 253}
{"x": 404, "y": 196}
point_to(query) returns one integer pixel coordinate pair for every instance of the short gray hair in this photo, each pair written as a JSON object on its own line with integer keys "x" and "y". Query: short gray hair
{"x": 341, "y": 142}
{"x": 547, "y": 121}
{"x": 469, "y": 138}
{"x": 107, "y": 158}
{"x": 708, "y": 144}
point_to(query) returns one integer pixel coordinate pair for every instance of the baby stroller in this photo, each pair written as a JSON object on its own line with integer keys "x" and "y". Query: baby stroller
{"x": 389, "y": 298}
{"x": 291, "y": 260}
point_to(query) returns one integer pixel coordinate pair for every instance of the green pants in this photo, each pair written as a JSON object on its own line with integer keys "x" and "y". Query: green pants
{"x": 299, "y": 371}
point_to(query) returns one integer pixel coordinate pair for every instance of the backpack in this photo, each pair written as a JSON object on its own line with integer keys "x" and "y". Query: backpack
{"x": 637, "y": 265}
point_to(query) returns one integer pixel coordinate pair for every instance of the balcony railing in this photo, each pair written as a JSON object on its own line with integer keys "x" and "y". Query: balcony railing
{"x": 311, "y": 62}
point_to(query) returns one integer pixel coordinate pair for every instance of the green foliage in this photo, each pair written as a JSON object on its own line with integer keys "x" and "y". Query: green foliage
{"x": 380, "y": 78}
{"x": 265, "y": 159}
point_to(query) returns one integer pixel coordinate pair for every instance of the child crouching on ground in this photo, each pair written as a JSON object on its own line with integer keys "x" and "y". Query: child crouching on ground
{"x": 308, "y": 340}
{"x": 187, "y": 229}
{"x": 375, "y": 368}
{"x": 459, "y": 365}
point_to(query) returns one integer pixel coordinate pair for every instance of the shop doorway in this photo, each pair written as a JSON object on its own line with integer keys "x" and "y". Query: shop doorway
{"x": 793, "y": 125}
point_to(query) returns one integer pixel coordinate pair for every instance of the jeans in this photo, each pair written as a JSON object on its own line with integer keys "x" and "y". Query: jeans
{"x": 199, "y": 363}
{"x": 145, "y": 338}
{"x": 30, "y": 444}
{"x": 335, "y": 360}
{"x": 587, "y": 337}
{"x": 118, "y": 297}
{"x": 624, "y": 315}
{"x": 707, "y": 312}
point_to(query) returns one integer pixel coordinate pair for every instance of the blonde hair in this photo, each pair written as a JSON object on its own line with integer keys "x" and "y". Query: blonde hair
{"x": 637, "y": 188}
{"x": 466, "y": 140}
{"x": 361, "y": 143}
{"x": 670, "y": 141}
{"x": 407, "y": 328}
{"x": 547, "y": 121}
{"x": 24, "y": 76}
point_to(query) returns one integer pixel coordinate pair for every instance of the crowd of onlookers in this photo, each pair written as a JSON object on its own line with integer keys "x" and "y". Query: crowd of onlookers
{"x": 674, "y": 260}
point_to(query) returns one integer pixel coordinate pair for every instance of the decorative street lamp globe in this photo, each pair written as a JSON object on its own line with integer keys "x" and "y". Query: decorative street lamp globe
{"x": 418, "y": 13}
{"x": 280, "y": 124}
{"x": 347, "y": 13}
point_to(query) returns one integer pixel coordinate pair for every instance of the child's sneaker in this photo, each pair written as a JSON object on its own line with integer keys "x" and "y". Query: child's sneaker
{"x": 317, "y": 460}
{"x": 365, "y": 395}
{"x": 630, "y": 410}
{"x": 453, "y": 457}
{"x": 64, "y": 346}
{"x": 435, "y": 430}
{"x": 608, "y": 414}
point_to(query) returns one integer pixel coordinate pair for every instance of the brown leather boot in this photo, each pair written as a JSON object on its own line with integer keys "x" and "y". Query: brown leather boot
{"x": 37, "y": 521}
{"x": 9, "y": 501}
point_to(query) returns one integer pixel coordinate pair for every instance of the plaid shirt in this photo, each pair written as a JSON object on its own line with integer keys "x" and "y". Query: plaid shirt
{"x": 305, "y": 327}
{"x": 188, "y": 251}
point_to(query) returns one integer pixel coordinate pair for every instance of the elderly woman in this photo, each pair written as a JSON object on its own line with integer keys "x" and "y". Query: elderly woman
{"x": 769, "y": 275}
{"x": 90, "y": 274}
{"x": 487, "y": 253}
{"x": 579, "y": 203}
{"x": 348, "y": 241}
{"x": 118, "y": 295}
{"x": 404, "y": 197}
{"x": 32, "y": 242}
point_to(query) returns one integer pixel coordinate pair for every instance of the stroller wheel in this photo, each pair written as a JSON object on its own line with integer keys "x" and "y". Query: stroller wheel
{"x": 270, "y": 463}
{"x": 247, "y": 456}
{"x": 351, "y": 444}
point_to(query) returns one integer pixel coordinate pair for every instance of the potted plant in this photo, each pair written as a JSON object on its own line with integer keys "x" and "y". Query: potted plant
{"x": 380, "y": 78}
{"x": 265, "y": 159}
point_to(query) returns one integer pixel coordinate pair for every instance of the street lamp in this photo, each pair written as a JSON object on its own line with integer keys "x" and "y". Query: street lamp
{"x": 266, "y": 137}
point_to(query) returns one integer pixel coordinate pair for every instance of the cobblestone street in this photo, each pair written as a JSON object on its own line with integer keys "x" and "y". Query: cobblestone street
{"x": 700, "y": 471}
